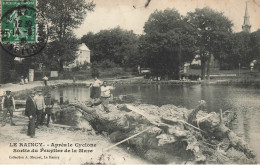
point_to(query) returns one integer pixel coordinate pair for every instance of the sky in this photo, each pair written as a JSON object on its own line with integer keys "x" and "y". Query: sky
{"x": 132, "y": 15}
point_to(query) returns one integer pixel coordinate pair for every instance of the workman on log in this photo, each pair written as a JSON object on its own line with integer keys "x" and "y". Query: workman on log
{"x": 106, "y": 95}
{"x": 30, "y": 111}
{"x": 8, "y": 105}
{"x": 95, "y": 90}
{"x": 48, "y": 110}
{"x": 39, "y": 100}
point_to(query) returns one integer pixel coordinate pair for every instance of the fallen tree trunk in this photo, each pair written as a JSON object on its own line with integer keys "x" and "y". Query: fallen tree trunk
{"x": 215, "y": 125}
{"x": 163, "y": 134}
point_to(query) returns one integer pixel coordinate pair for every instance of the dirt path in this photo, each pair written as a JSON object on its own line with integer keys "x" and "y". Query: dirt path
{"x": 56, "y": 136}
{"x": 49, "y": 137}
{"x": 31, "y": 85}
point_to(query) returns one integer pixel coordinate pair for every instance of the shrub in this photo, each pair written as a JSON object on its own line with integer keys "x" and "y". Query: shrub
{"x": 193, "y": 77}
{"x": 65, "y": 75}
{"x": 226, "y": 66}
{"x": 94, "y": 72}
{"x": 14, "y": 77}
{"x": 113, "y": 72}
{"x": 105, "y": 64}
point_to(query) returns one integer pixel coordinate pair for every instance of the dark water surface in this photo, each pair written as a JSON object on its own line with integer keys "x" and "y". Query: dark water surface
{"x": 243, "y": 100}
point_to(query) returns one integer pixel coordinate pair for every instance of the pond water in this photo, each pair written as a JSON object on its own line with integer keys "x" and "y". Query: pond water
{"x": 244, "y": 100}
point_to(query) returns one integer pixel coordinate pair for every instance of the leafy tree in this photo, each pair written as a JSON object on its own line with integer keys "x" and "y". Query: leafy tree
{"x": 211, "y": 27}
{"x": 255, "y": 46}
{"x": 167, "y": 43}
{"x": 63, "y": 16}
{"x": 240, "y": 50}
{"x": 117, "y": 45}
{"x": 6, "y": 64}
{"x": 223, "y": 51}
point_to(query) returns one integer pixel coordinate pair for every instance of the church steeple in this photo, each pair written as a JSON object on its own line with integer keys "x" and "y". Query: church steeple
{"x": 246, "y": 26}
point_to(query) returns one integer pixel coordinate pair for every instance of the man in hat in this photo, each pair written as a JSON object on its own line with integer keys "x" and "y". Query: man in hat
{"x": 8, "y": 105}
{"x": 49, "y": 105}
{"x": 30, "y": 111}
{"x": 39, "y": 100}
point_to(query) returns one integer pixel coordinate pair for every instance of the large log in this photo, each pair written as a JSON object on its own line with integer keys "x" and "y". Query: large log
{"x": 163, "y": 130}
{"x": 215, "y": 125}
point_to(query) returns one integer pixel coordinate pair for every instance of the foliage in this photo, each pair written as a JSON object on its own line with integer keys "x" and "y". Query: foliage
{"x": 117, "y": 45}
{"x": 104, "y": 64}
{"x": 244, "y": 48}
{"x": 193, "y": 77}
{"x": 13, "y": 76}
{"x": 6, "y": 64}
{"x": 94, "y": 71}
{"x": 168, "y": 42}
{"x": 240, "y": 50}
{"x": 212, "y": 29}
{"x": 117, "y": 72}
{"x": 254, "y": 44}
{"x": 63, "y": 16}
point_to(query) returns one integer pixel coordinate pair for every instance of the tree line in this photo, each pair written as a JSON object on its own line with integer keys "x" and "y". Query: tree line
{"x": 170, "y": 40}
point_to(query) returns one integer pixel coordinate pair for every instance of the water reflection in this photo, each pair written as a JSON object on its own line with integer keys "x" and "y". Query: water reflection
{"x": 245, "y": 101}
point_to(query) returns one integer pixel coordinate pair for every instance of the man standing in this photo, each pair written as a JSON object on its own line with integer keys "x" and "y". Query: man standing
{"x": 49, "y": 105}
{"x": 105, "y": 95}
{"x": 45, "y": 79}
{"x": 39, "y": 100}
{"x": 8, "y": 105}
{"x": 95, "y": 89}
{"x": 30, "y": 111}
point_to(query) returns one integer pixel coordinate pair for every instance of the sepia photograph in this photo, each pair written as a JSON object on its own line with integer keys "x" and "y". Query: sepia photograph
{"x": 130, "y": 82}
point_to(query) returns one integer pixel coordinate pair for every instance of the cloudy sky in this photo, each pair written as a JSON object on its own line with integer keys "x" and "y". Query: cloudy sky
{"x": 131, "y": 14}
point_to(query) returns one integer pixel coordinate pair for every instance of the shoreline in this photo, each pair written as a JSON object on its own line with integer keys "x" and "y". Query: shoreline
{"x": 135, "y": 80}
{"x": 23, "y": 89}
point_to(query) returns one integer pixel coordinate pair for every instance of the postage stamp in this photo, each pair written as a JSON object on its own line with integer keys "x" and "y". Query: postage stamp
{"x": 23, "y": 28}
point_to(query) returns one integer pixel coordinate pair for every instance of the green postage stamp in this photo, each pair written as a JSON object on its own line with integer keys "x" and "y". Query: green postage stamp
{"x": 18, "y": 21}
{"x": 23, "y": 28}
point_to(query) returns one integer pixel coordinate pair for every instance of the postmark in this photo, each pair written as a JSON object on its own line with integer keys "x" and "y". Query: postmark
{"x": 23, "y": 29}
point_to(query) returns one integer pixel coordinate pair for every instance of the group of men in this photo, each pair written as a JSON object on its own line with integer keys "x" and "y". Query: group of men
{"x": 37, "y": 107}
{"x": 101, "y": 91}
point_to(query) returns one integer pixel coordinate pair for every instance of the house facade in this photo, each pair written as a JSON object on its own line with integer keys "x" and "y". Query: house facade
{"x": 83, "y": 56}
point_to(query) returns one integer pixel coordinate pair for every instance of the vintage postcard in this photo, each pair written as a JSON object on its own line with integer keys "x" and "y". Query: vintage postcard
{"x": 130, "y": 82}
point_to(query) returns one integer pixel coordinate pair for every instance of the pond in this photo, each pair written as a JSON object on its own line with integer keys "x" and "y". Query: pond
{"x": 244, "y": 100}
